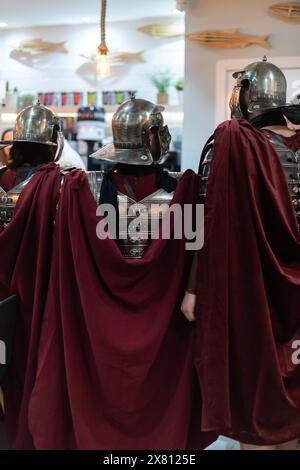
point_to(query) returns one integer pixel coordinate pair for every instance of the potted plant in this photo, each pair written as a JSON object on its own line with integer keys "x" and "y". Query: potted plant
{"x": 179, "y": 88}
{"x": 25, "y": 100}
{"x": 162, "y": 83}
{"x": 11, "y": 99}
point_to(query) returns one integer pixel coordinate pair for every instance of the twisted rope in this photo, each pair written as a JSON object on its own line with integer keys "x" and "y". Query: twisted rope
{"x": 102, "y": 20}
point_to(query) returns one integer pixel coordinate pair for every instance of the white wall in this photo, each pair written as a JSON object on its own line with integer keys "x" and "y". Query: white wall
{"x": 70, "y": 72}
{"x": 250, "y": 17}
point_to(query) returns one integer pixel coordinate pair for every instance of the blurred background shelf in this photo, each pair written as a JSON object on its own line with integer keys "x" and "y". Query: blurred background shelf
{"x": 173, "y": 113}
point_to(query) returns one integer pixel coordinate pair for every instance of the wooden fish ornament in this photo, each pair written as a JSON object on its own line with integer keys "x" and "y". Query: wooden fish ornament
{"x": 127, "y": 57}
{"x": 118, "y": 58}
{"x": 228, "y": 39}
{"x": 163, "y": 30}
{"x": 287, "y": 11}
{"x": 39, "y": 46}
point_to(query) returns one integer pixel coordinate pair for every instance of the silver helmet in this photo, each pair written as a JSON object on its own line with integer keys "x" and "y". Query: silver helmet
{"x": 266, "y": 89}
{"x": 132, "y": 125}
{"x": 37, "y": 124}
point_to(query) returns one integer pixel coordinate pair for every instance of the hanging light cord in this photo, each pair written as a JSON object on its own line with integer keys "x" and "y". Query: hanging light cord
{"x": 102, "y": 59}
{"x": 102, "y": 22}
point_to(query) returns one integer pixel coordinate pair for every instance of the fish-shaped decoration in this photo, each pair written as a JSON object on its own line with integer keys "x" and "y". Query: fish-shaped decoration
{"x": 119, "y": 58}
{"x": 127, "y": 57}
{"x": 288, "y": 10}
{"x": 228, "y": 39}
{"x": 39, "y": 46}
{"x": 164, "y": 30}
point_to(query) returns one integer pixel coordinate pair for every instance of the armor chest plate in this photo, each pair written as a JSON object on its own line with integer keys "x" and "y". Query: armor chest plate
{"x": 9, "y": 200}
{"x": 138, "y": 221}
{"x": 7, "y": 207}
{"x": 290, "y": 161}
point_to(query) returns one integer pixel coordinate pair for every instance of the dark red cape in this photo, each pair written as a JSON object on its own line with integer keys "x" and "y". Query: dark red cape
{"x": 25, "y": 247}
{"x": 8, "y": 179}
{"x": 107, "y": 362}
{"x": 249, "y": 293}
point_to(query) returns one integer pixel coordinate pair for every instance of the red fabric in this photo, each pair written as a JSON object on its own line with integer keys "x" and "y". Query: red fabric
{"x": 8, "y": 180}
{"x": 249, "y": 293}
{"x": 106, "y": 361}
{"x": 25, "y": 247}
{"x": 292, "y": 142}
{"x": 114, "y": 343}
{"x": 142, "y": 186}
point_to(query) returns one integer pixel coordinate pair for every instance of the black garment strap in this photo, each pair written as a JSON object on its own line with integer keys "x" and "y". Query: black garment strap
{"x": 109, "y": 195}
{"x": 269, "y": 118}
{"x": 134, "y": 170}
{"x": 207, "y": 147}
{"x": 127, "y": 186}
{"x": 25, "y": 171}
{"x": 164, "y": 180}
{"x": 3, "y": 170}
{"x": 292, "y": 112}
{"x": 109, "y": 191}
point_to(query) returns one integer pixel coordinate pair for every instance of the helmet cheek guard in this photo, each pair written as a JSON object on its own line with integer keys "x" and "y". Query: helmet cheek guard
{"x": 238, "y": 101}
{"x": 234, "y": 103}
{"x": 60, "y": 145}
{"x": 165, "y": 140}
{"x": 156, "y": 122}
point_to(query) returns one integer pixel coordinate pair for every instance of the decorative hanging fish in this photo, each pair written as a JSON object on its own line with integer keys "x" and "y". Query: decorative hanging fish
{"x": 39, "y": 46}
{"x": 127, "y": 57}
{"x": 228, "y": 39}
{"x": 288, "y": 11}
{"x": 163, "y": 30}
{"x": 118, "y": 58}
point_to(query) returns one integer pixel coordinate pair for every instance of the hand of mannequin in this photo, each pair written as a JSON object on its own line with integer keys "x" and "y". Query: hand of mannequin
{"x": 188, "y": 306}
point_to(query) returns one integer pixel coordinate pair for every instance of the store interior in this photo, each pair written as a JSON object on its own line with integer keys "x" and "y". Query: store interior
{"x": 158, "y": 50}
{"x": 49, "y": 52}
{"x": 56, "y": 63}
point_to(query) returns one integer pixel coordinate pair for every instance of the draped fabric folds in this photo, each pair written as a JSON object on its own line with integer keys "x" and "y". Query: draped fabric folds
{"x": 103, "y": 356}
{"x": 248, "y": 313}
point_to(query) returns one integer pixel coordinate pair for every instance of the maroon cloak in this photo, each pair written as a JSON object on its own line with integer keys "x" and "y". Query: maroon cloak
{"x": 8, "y": 179}
{"x": 25, "y": 247}
{"x": 107, "y": 360}
{"x": 248, "y": 312}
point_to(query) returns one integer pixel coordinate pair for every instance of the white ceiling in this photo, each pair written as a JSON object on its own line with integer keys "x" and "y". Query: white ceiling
{"x": 22, "y": 13}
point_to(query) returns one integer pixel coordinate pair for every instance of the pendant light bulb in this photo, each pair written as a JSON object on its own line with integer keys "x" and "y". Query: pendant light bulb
{"x": 103, "y": 66}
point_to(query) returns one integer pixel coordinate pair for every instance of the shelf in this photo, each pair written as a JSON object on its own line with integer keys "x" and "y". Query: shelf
{"x": 173, "y": 114}
{"x": 66, "y": 111}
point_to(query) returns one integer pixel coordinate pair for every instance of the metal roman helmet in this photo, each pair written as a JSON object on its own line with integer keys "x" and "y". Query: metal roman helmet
{"x": 132, "y": 125}
{"x": 260, "y": 86}
{"x": 37, "y": 124}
